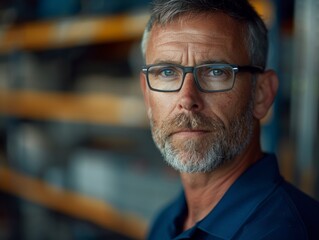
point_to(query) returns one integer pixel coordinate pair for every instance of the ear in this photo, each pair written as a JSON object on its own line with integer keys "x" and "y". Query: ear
{"x": 266, "y": 90}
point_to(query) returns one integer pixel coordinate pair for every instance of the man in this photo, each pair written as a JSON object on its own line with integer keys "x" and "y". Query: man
{"x": 206, "y": 89}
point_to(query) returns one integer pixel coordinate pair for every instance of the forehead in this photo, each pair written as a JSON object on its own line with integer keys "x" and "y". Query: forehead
{"x": 202, "y": 36}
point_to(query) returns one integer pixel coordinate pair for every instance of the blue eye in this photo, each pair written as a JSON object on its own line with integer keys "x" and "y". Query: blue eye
{"x": 167, "y": 72}
{"x": 216, "y": 72}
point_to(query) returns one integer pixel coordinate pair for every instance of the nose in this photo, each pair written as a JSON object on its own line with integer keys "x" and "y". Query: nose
{"x": 190, "y": 98}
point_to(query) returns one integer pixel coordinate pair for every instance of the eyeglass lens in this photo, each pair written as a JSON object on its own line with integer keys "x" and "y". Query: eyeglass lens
{"x": 212, "y": 77}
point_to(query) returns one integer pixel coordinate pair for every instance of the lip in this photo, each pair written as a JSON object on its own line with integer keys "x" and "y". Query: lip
{"x": 190, "y": 133}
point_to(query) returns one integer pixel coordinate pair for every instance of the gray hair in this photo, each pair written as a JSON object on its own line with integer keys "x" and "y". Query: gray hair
{"x": 166, "y": 11}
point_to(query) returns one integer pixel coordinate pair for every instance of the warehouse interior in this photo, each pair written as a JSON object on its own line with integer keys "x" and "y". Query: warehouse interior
{"x": 77, "y": 160}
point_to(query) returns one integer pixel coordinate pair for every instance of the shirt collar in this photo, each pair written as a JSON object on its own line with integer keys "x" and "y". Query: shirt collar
{"x": 242, "y": 198}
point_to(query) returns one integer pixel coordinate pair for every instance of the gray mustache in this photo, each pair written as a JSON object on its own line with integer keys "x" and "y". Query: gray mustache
{"x": 194, "y": 121}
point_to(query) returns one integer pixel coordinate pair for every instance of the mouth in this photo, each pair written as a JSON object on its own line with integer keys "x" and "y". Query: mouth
{"x": 190, "y": 133}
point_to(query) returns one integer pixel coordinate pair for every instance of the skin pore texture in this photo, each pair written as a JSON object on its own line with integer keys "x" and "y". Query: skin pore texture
{"x": 211, "y": 138}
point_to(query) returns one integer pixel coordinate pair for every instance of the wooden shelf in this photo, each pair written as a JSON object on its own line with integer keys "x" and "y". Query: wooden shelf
{"x": 83, "y": 30}
{"x": 90, "y": 108}
{"x": 70, "y": 203}
{"x": 266, "y": 9}
{"x": 71, "y": 32}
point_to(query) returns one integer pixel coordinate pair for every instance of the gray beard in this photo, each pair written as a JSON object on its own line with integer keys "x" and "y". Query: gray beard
{"x": 209, "y": 152}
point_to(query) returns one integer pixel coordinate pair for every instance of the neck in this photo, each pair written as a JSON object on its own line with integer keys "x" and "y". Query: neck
{"x": 204, "y": 190}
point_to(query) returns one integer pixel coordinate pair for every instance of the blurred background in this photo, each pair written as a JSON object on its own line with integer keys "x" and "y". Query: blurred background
{"x": 76, "y": 156}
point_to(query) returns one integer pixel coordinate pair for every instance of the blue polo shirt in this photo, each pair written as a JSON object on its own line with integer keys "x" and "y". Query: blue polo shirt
{"x": 259, "y": 205}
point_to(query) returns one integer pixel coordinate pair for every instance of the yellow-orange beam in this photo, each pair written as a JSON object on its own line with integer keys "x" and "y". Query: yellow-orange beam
{"x": 90, "y": 107}
{"x": 71, "y": 203}
{"x": 266, "y": 9}
{"x": 71, "y": 32}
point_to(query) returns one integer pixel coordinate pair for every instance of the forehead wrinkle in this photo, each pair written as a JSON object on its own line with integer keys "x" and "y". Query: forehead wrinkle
{"x": 192, "y": 38}
{"x": 190, "y": 47}
{"x": 188, "y": 34}
{"x": 194, "y": 56}
{"x": 169, "y": 56}
{"x": 168, "y": 52}
{"x": 209, "y": 55}
{"x": 188, "y": 44}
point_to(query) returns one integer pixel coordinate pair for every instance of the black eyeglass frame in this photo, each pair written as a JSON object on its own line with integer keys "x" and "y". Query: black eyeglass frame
{"x": 186, "y": 69}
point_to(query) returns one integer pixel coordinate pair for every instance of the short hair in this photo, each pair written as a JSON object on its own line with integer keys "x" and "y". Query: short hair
{"x": 166, "y": 11}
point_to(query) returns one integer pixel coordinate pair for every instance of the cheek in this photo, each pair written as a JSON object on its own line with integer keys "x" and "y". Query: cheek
{"x": 227, "y": 106}
{"x": 242, "y": 94}
{"x": 159, "y": 106}
{"x": 223, "y": 109}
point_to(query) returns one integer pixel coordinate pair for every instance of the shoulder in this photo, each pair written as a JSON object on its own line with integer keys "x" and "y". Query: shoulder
{"x": 304, "y": 207}
{"x": 287, "y": 213}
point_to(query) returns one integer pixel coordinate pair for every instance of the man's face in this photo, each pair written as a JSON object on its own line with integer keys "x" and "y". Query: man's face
{"x": 196, "y": 131}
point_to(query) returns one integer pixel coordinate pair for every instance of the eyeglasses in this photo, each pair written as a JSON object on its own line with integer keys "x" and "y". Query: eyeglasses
{"x": 208, "y": 77}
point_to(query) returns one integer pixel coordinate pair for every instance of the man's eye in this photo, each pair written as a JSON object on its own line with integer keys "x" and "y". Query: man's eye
{"x": 216, "y": 72}
{"x": 167, "y": 72}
